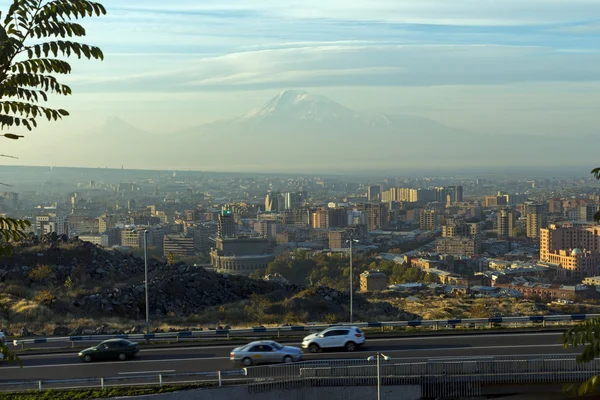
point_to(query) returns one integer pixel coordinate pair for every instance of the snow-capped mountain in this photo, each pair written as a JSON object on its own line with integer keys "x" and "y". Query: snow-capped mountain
{"x": 300, "y": 105}
{"x": 297, "y": 130}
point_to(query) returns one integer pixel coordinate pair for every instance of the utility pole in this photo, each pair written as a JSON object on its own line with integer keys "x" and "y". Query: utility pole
{"x": 146, "y": 280}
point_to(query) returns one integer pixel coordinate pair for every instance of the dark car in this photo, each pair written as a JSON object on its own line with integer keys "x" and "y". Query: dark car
{"x": 113, "y": 349}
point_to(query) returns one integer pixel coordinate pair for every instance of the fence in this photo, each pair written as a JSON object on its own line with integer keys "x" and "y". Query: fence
{"x": 277, "y": 331}
{"x": 437, "y": 377}
{"x": 448, "y": 377}
{"x": 210, "y": 379}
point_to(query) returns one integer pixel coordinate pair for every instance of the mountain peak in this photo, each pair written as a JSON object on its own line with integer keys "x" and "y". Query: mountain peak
{"x": 299, "y": 104}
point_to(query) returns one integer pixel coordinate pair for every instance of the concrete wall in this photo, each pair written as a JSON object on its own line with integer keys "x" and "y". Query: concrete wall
{"x": 330, "y": 393}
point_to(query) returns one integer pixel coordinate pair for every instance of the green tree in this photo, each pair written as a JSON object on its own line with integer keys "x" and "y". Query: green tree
{"x": 171, "y": 258}
{"x": 33, "y": 46}
{"x": 586, "y": 334}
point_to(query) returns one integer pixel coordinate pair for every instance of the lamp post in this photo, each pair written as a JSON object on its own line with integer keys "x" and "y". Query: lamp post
{"x": 146, "y": 280}
{"x": 376, "y": 357}
{"x": 351, "y": 279}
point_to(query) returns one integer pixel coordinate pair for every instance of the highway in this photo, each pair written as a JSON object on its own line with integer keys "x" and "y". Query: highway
{"x": 213, "y": 358}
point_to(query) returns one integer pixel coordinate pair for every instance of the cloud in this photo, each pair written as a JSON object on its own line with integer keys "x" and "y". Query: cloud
{"x": 359, "y": 65}
{"x": 444, "y": 12}
{"x": 585, "y": 29}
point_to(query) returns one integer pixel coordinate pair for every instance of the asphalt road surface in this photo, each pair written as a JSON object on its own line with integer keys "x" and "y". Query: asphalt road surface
{"x": 207, "y": 359}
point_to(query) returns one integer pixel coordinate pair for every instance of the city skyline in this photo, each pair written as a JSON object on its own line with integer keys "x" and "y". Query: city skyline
{"x": 499, "y": 68}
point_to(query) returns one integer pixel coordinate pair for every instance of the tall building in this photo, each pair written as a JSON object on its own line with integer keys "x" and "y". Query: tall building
{"x": 299, "y": 218}
{"x": 374, "y": 193}
{"x": 320, "y": 219}
{"x": 226, "y": 225}
{"x": 536, "y": 219}
{"x": 575, "y": 248}
{"x": 507, "y": 224}
{"x": 428, "y": 220}
{"x": 458, "y": 229}
{"x": 274, "y": 202}
{"x": 51, "y": 223}
{"x": 377, "y": 215}
{"x": 338, "y": 217}
{"x": 586, "y": 212}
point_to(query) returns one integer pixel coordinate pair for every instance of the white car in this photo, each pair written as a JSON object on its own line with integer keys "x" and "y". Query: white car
{"x": 337, "y": 337}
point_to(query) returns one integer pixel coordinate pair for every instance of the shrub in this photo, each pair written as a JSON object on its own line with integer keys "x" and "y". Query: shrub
{"x": 44, "y": 297}
{"x": 40, "y": 273}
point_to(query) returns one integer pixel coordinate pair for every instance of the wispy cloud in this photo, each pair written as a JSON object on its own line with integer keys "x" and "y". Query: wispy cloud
{"x": 359, "y": 65}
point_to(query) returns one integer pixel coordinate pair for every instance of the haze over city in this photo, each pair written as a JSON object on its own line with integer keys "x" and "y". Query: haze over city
{"x": 504, "y": 70}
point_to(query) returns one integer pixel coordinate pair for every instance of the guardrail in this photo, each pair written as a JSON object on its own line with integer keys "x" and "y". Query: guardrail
{"x": 436, "y": 377}
{"x": 454, "y": 377}
{"x": 216, "y": 379}
{"x": 277, "y": 331}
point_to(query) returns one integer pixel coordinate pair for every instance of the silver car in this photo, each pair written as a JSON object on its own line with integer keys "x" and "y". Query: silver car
{"x": 264, "y": 352}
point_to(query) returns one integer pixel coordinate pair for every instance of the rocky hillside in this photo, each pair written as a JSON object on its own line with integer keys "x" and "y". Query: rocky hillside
{"x": 110, "y": 282}
{"x": 55, "y": 281}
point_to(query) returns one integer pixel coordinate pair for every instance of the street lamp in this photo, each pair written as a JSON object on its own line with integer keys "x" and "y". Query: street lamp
{"x": 146, "y": 280}
{"x": 374, "y": 358}
{"x": 351, "y": 276}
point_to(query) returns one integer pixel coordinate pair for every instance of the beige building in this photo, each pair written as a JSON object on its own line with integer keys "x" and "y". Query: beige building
{"x": 459, "y": 246}
{"x": 320, "y": 219}
{"x": 592, "y": 281}
{"x": 335, "y": 240}
{"x": 575, "y": 248}
{"x": 536, "y": 219}
{"x": 373, "y": 281}
{"x": 132, "y": 238}
{"x": 179, "y": 245}
{"x": 507, "y": 224}
{"x": 428, "y": 220}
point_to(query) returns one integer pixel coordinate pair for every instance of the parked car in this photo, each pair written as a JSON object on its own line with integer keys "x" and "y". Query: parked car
{"x": 2, "y": 337}
{"x": 264, "y": 352}
{"x": 337, "y": 337}
{"x": 113, "y": 349}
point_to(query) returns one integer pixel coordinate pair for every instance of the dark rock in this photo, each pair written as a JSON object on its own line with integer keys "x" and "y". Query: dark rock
{"x": 61, "y": 331}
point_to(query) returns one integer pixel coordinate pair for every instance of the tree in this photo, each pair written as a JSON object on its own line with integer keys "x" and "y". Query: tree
{"x": 586, "y": 334}
{"x": 171, "y": 258}
{"x": 257, "y": 308}
{"x": 27, "y": 74}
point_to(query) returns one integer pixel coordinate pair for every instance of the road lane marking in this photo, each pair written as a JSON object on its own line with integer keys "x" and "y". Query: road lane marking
{"x": 442, "y": 349}
{"x": 147, "y": 372}
{"x": 390, "y": 340}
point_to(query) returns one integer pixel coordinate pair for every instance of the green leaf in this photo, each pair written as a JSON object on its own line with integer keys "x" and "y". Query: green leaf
{"x": 12, "y": 136}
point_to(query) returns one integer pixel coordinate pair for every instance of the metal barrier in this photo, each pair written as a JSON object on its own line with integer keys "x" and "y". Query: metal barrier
{"x": 452, "y": 377}
{"x": 277, "y": 331}
{"x": 436, "y": 377}
{"x": 215, "y": 379}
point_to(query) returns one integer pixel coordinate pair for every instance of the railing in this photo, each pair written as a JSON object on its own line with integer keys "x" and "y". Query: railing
{"x": 210, "y": 379}
{"x": 436, "y": 377}
{"x": 444, "y": 377}
{"x": 277, "y": 331}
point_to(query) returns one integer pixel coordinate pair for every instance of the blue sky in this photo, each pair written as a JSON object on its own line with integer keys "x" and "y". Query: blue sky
{"x": 502, "y": 66}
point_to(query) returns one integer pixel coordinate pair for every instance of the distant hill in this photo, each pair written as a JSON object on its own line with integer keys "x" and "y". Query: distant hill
{"x": 301, "y": 131}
